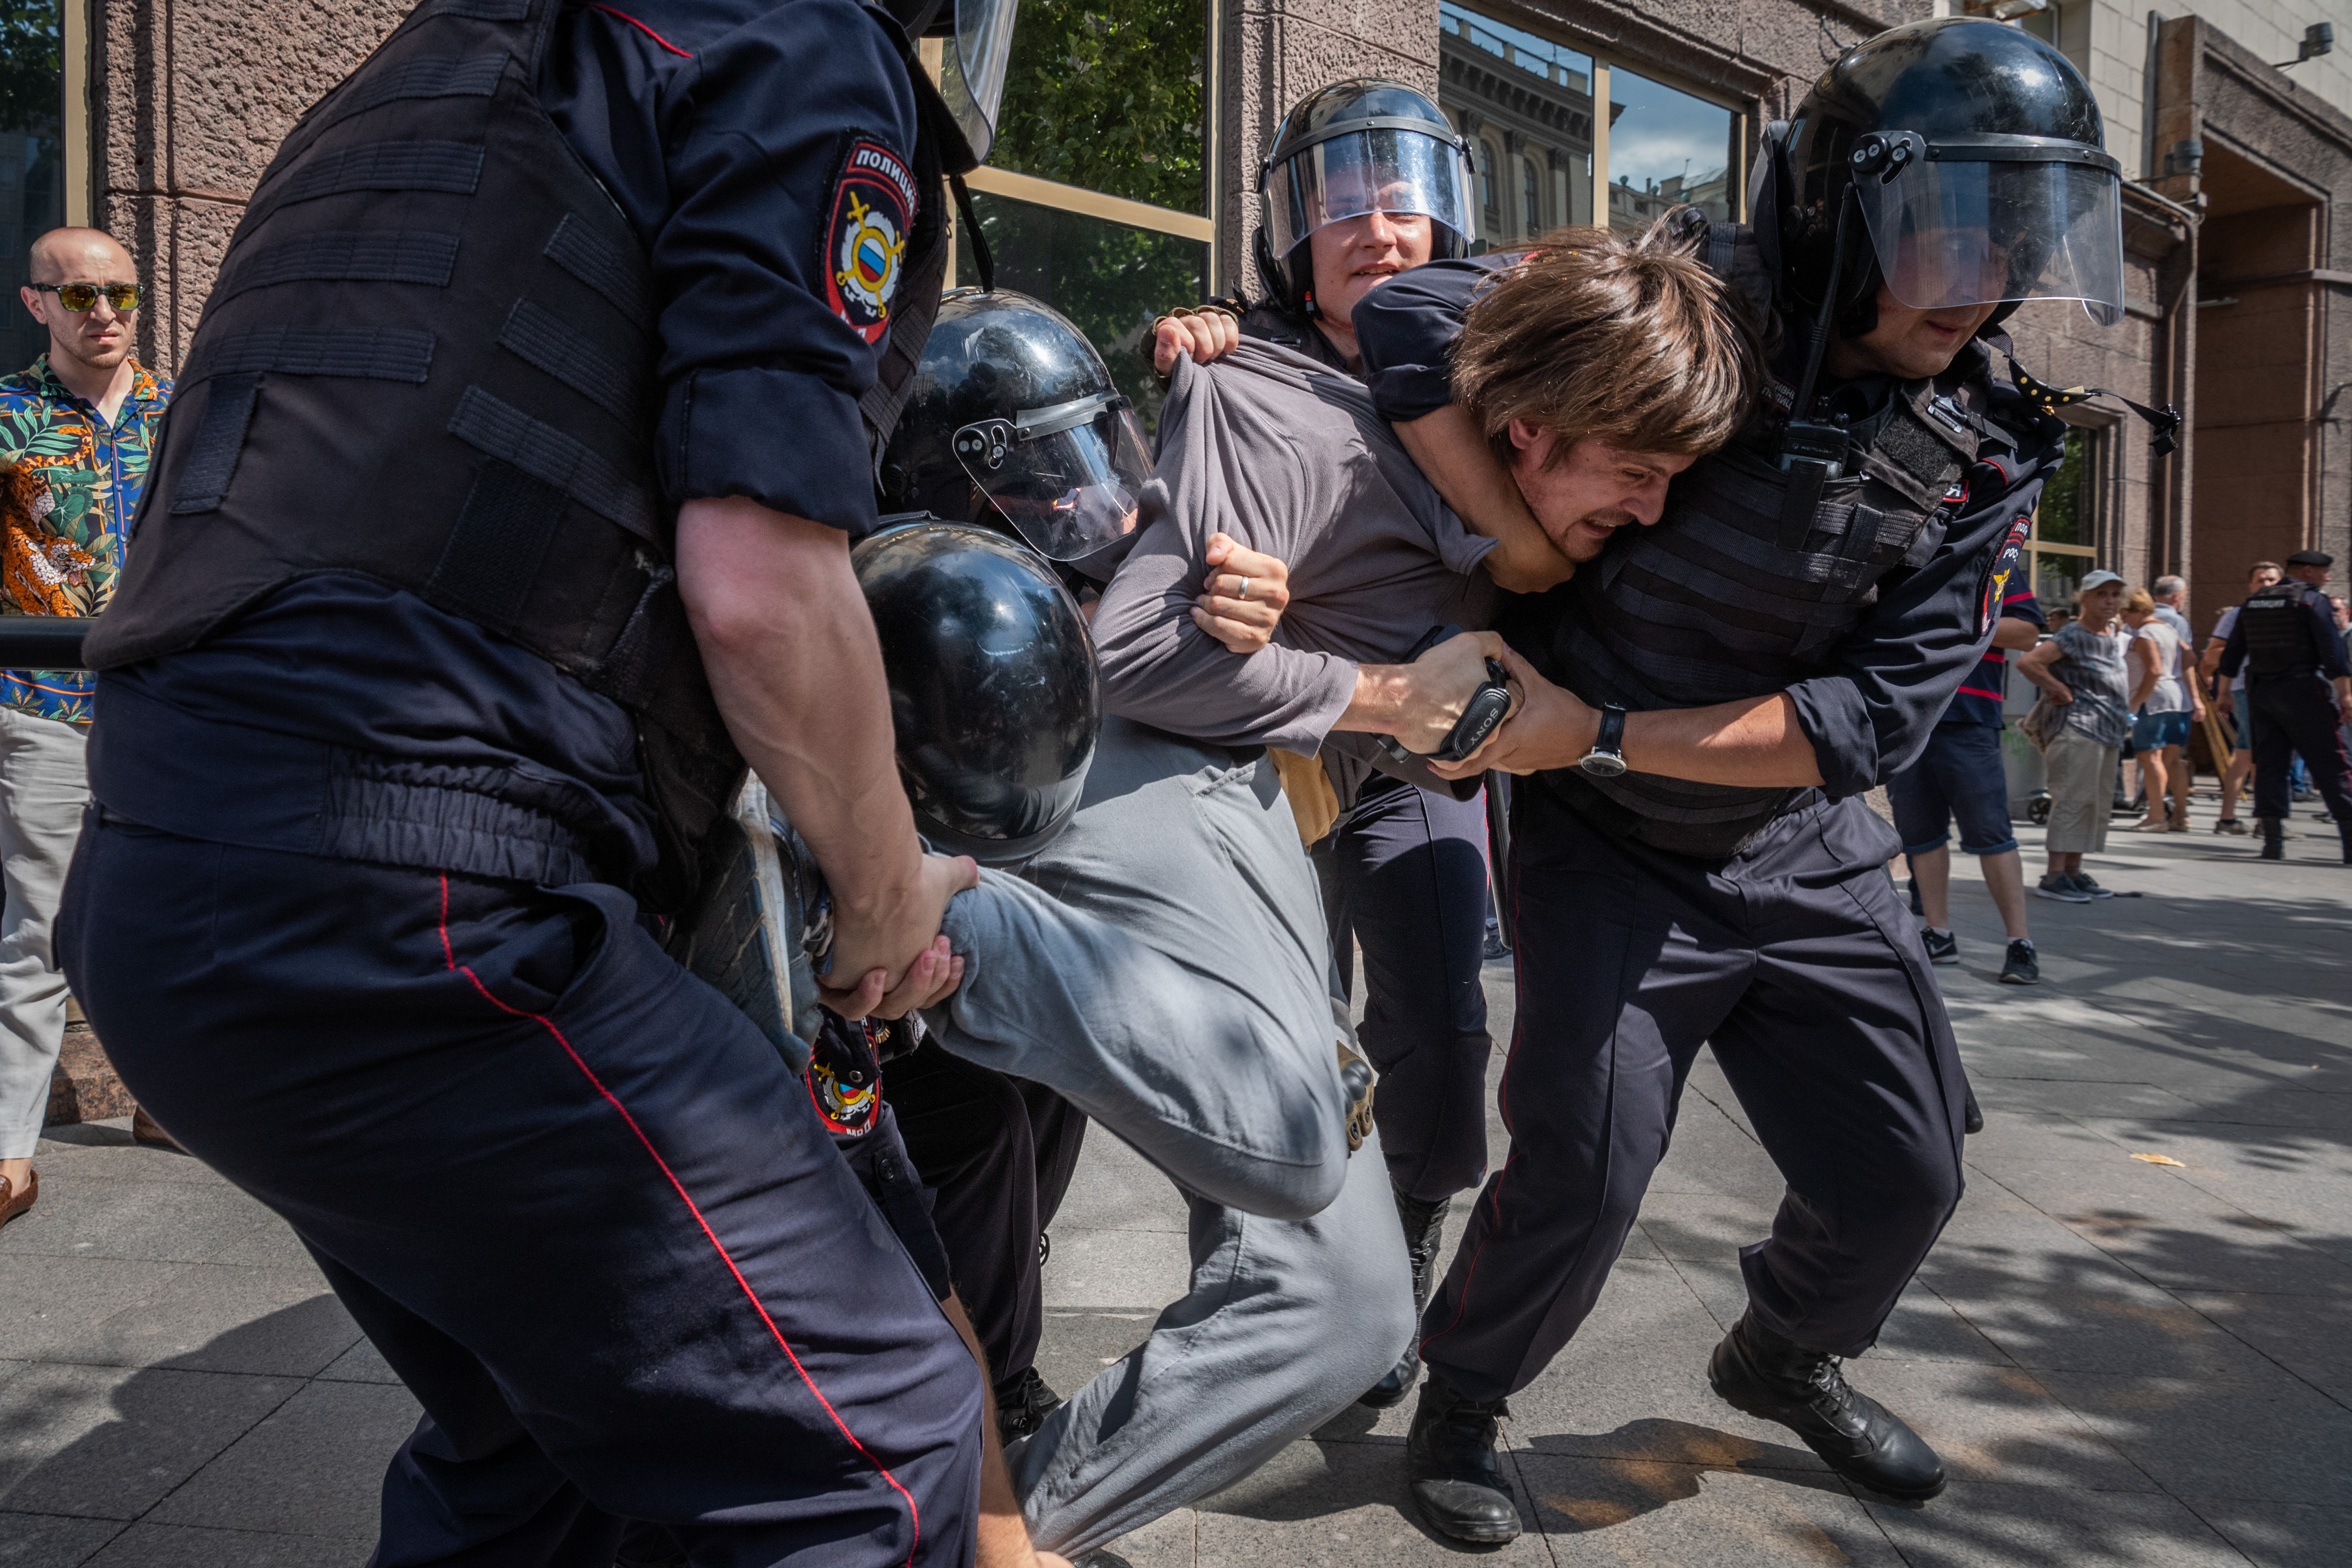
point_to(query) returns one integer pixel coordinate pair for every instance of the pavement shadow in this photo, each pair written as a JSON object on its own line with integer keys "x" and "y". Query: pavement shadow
{"x": 162, "y": 1424}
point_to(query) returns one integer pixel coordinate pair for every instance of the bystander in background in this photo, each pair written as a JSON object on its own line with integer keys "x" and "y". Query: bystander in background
{"x": 1960, "y": 778}
{"x": 2081, "y": 669}
{"x": 2230, "y": 697}
{"x": 2167, "y": 704}
{"x": 77, "y": 429}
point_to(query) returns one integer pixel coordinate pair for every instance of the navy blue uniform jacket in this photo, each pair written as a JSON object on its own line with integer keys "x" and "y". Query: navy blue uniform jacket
{"x": 718, "y": 139}
{"x": 1898, "y": 669}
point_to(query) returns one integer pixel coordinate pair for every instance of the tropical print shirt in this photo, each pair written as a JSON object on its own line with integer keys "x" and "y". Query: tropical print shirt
{"x": 63, "y": 551}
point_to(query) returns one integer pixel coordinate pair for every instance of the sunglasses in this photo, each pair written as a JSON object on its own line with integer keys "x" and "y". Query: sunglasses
{"x": 84, "y": 295}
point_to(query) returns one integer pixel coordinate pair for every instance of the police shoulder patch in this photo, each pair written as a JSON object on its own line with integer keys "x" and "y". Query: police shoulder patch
{"x": 2005, "y": 562}
{"x": 862, "y": 249}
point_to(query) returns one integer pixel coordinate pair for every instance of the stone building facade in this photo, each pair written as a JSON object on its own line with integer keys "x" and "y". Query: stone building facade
{"x": 2239, "y": 262}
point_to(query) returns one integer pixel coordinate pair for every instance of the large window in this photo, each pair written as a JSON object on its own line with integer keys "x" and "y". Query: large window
{"x": 1667, "y": 148}
{"x": 2066, "y": 524}
{"x": 1096, "y": 198}
{"x": 32, "y": 184}
{"x": 1517, "y": 94}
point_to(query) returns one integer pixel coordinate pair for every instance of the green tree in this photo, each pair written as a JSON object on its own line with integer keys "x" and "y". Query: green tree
{"x": 29, "y": 66}
{"x": 1109, "y": 99}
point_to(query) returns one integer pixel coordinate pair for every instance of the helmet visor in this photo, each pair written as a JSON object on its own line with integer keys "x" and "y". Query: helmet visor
{"x": 971, "y": 74}
{"x": 1952, "y": 232}
{"x": 1384, "y": 169}
{"x": 1068, "y": 478}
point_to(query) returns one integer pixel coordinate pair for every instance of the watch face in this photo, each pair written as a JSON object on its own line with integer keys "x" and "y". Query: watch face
{"x": 1602, "y": 764}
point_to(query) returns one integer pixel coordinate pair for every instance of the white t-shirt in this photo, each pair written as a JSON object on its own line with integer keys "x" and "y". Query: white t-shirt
{"x": 2222, "y": 629}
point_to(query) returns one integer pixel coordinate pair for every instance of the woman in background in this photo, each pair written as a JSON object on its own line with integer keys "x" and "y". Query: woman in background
{"x": 2159, "y": 668}
{"x": 2082, "y": 668}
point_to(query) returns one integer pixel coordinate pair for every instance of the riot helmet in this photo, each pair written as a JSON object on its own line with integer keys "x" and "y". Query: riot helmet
{"x": 1011, "y": 416}
{"x": 995, "y": 698}
{"x": 1358, "y": 146}
{"x": 1956, "y": 159}
{"x": 972, "y": 65}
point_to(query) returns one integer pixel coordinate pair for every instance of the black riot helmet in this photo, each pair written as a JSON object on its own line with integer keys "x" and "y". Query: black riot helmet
{"x": 1354, "y": 147}
{"x": 995, "y": 698}
{"x": 1959, "y": 160}
{"x": 1012, "y": 420}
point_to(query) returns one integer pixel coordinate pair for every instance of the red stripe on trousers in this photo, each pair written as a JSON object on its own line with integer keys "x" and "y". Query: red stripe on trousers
{"x": 913, "y": 1515}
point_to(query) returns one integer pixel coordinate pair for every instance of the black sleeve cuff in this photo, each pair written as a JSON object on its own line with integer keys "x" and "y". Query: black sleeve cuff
{"x": 1406, "y": 391}
{"x": 1846, "y": 743}
{"x": 784, "y": 439}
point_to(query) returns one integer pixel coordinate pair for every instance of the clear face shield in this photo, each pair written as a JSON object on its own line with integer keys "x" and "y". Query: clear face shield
{"x": 1388, "y": 169}
{"x": 972, "y": 69}
{"x": 1985, "y": 222}
{"x": 1068, "y": 477}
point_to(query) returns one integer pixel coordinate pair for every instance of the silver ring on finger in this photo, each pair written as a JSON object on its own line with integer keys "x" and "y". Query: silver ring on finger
{"x": 1242, "y": 593}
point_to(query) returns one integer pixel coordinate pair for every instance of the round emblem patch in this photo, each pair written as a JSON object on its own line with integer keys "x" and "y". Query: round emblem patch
{"x": 872, "y": 207}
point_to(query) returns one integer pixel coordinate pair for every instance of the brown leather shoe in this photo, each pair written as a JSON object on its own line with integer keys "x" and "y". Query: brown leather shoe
{"x": 14, "y": 1200}
{"x": 145, "y": 1129}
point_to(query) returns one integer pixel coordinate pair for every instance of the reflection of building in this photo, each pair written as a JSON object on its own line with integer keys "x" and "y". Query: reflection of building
{"x": 1529, "y": 121}
{"x": 1631, "y": 208}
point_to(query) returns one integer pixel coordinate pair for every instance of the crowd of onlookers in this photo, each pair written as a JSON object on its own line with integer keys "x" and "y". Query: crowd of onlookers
{"x": 2121, "y": 691}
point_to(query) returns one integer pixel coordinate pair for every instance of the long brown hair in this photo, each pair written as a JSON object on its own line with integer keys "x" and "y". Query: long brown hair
{"x": 1599, "y": 336}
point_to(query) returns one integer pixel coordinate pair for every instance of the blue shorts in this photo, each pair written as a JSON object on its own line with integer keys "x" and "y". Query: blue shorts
{"x": 1957, "y": 776}
{"x": 2153, "y": 731}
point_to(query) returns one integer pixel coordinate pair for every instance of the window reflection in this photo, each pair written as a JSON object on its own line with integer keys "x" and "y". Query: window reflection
{"x": 32, "y": 186}
{"x": 1111, "y": 280}
{"x": 1524, "y": 98}
{"x": 1666, "y": 149}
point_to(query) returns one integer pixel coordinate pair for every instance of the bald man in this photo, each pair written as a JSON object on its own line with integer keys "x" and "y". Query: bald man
{"x": 75, "y": 429}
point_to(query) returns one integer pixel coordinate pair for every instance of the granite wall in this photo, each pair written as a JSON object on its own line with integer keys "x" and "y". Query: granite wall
{"x": 192, "y": 97}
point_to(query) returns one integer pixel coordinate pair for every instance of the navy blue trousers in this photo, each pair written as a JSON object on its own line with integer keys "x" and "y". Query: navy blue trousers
{"x": 572, "y": 1195}
{"x": 2296, "y": 715}
{"x": 1796, "y": 963}
{"x": 1405, "y": 875}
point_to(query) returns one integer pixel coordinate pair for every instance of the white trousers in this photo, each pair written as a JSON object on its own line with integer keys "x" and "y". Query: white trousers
{"x": 43, "y": 787}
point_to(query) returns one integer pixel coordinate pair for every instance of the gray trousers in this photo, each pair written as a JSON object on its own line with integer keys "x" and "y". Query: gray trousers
{"x": 43, "y": 787}
{"x": 1165, "y": 965}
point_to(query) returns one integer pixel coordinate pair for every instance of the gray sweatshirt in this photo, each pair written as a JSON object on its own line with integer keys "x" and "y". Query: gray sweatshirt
{"x": 1287, "y": 457}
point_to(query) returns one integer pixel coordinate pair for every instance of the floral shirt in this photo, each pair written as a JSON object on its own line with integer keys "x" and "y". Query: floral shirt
{"x": 62, "y": 554}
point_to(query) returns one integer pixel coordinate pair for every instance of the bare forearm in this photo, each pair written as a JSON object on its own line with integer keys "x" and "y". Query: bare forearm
{"x": 1453, "y": 456}
{"x": 1756, "y": 742}
{"x": 797, "y": 672}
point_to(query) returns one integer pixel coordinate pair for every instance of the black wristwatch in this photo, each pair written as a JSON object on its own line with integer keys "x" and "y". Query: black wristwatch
{"x": 1607, "y": 758}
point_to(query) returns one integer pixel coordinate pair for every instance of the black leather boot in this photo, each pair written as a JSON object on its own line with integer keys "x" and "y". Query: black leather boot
{"x": 2273, "y": 838}
{"x": 1023, "y": 1403}
{"x": 1457, "y": 1484}
{"x": 1767, "y": 1375}
{"x": 1425, "y": 1228}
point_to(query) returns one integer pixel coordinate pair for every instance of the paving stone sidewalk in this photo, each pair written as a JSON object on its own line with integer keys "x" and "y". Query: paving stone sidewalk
{"x": 2122, "y": 1360}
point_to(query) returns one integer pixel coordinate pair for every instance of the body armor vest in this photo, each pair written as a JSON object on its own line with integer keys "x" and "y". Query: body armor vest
{"x": 1742, "y": 590}
{"x": 428, "y": 361}
{"x": 2278, "y": 632}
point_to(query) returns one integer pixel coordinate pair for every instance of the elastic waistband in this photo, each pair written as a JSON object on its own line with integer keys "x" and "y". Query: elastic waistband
{"x": 154, "y": 764}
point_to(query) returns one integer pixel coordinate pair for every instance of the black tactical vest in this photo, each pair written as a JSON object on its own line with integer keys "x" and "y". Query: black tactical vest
{"x": 1734, "y": 594}
{"x": 428, "y": 361}
{"x": 2278, "y": 632}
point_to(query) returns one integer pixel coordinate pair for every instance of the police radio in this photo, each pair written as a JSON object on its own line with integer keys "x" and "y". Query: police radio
{"x": 1487, "y": 708}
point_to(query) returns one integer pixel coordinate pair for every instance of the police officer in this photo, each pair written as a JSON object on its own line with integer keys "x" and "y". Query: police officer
{"x": 1365, "y": 179}
{"x": 1709, "y": 697}
{"x": 2285, "y": 636}
{"x": 471, "y": 573}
